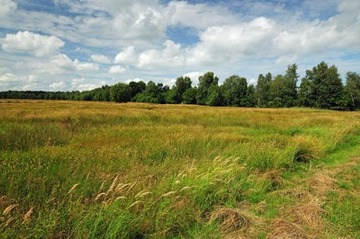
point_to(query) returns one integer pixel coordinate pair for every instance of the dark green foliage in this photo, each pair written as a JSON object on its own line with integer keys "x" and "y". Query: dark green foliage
{"x": 290, "y": 80}
{"x": 181, "y": 85}
{"x": 207, "y": 83}
{"x": 235, "y": 91}
{"x": 323, "y": 87}
{"x": 99, "y": 94}
{"x": 276, "y": 91}
{"x": 189, "y": 96}
{"x": 352, "y": 91}
{"x": 120, "y": 93}
{"x": 170, "y": 97}
{"x": 154, "y": 93}
{"x": 263, "y": 90}
{"x": 136, "y": 87}
{"x": 305, "y": 93}
{"x": 320, "y": 88}
{"x": 282, "y": 92}
{"x": 215, "y": 97}
{"x": 251, "y": 96}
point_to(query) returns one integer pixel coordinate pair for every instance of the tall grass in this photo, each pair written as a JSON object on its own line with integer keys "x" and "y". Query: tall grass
{"x": 105, "y": 170}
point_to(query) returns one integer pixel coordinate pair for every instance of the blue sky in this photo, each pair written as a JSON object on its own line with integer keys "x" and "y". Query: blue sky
{"x": 83, "y": 44}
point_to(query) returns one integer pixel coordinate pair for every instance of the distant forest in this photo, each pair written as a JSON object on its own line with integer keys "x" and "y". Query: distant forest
{"x": 321, "y": 87}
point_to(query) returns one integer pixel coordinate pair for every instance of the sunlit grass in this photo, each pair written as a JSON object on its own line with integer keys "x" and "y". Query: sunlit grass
{"x": 105, "y": 170}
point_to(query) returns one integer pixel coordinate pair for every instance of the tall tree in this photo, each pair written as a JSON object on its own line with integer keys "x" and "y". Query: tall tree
{"x": 291, "y": 78}
{"x": 262, "y": 90}
{"x": 181, "y": 85}
{"x": 277, "y": 92}
{"x": 189, "y": 96}
{"x": 352, "y": 91}
{"x": 251, "y": 96}
{"x": 325, "y": 86}
{"x": 305, "y": 92}
{"x": 283, "y": 91}
{"x": 234, "y": 91}
{"x": 207, "y": 83}
{"x": 136, "y": 87}
{"x": 120, "y": 92}
{"x": 215, "y": 96}
{"x": 152, "y": 92}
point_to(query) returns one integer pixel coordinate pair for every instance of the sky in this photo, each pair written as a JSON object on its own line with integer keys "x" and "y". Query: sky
{"x": 65, "y": 45}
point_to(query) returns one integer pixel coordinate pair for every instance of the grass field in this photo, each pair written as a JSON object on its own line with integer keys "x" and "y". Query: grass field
{"x": 106, "y": 170}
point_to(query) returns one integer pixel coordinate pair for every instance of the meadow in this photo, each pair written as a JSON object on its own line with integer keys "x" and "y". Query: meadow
{"x": 107, "y": 170}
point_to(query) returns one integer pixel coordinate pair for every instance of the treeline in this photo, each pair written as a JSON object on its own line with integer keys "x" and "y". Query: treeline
{"x": 321, "y": 87}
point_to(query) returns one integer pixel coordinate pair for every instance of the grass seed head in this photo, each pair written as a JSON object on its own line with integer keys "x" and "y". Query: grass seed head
{"x": 113, "y": 184}
{"x": 9, "y": 209}
{"x": 73, "y": 188}
{"x": 27, "y": 215}
{"x": 119, "y": 198}
{"x": 168, "y": 194}
{"x": 142, "y": 194}
{"x": 9, "y": 221}
{"x": 120, "y": 188}
{"x": 135, "y": 203}
{"x": 100, "y": 196}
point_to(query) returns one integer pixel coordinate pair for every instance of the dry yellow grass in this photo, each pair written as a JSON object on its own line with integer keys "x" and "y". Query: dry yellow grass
{"x": 168, "y": 170}
{"x": 230, "y": 219}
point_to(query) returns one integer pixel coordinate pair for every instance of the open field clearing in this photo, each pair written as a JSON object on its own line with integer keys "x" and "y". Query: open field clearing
{"x": 106, "y": 170}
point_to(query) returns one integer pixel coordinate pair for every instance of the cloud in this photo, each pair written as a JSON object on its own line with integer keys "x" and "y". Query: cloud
{"x": 117, "y": 70}
{"x": 146, "y": 39}
{"x": 340, "y": 32}
{"x": 58, "y": 86}
{"x": 100, "y": 59}
{"x": 63, "y": 62}
{"x": 258, "y": 38}
{"x": 33, "y": 78}
{"x": 127, "y": 56}
{"x": 135, "y": 80}
{"x": 7, "y": 7}
{"x": 5, "y": 80}
{"x": 115, "y": 22}
{"x": 32, "y": 43}
{"x": 82, "y": 84}
{"x": 170, "y": 56}
{"x": 231, "y": 42}
{"x": 194, "y": 76}
{"x": 200, "y": 16}
{"x": 85, "y": 66}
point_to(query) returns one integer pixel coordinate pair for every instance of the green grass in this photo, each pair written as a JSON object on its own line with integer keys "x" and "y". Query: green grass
{"x": 105, "y": 170}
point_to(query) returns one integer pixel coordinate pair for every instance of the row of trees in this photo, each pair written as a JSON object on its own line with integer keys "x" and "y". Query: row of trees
{"x": 321, "y": 87}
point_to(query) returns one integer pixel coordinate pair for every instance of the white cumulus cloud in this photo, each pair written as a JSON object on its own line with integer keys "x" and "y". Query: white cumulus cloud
{"x": 161, "y": 40}
{"x": 85, "y": 66}
{"x": 100, "y": 59}
{"x": 171, "y": 55}
{"x": 7, "y": 7}
{"x": 117, "y": 70}
{"x": 32, "y": 43}
{"x": 82, "y": 84}
{"x": 62, "y": 61}
{"x": 126, "y": 56}
{"x": 231, "y": 42}
{"x": 6, "y": 77}
{"x": 200, "y": 15}
{"x": 58, "y": 85}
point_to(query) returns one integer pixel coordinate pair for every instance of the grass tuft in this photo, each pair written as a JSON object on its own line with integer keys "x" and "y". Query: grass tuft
{"x": 230, "y": 219}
